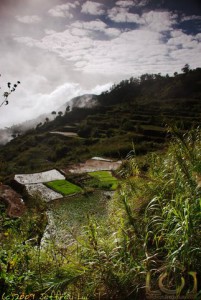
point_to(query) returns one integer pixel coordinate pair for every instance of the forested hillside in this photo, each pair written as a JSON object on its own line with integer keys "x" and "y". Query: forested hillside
{"x": 132, "y": 233}
{"x": 136, "y": 111}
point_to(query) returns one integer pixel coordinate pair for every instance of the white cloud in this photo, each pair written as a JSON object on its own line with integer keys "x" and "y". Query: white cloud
{"x": 76, "y": 3}
{"x": 28, "y": 19}
{"x": 154, "y": 20}
{"x": 183, "y": 41}
{"x": 63, "y": 10}
{"x": 93, "y": 8}
{"x": 119, "y": 55}
{"x": 176, "y": 33}
{"x": 42, "y": 103}
{"x": 65, "y": 44}
{"x": 79, "y": 32}
{"x": 98, "y": 89}
{"x": 38, "y": 103}
{"x": 85, "y": 28}
{"x": 49, "y": 31}
{"x": 130, "y": 3}
{"x": 91, "y": 25}
{"x": 159, "y": 20}
{"x": 112, "y": 32}
{"x": 125, "y": 3}
{"x": 183, "y": 56}
{"x": 191, "y": 18}
{"x": 198, "y": 37}
{"x": 121, "y": 15}
{"x": 27, "y": 41}
{"x": 126, "y": 53}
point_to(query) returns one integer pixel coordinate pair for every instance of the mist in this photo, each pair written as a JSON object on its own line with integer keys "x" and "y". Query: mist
{"x": 45, "y": 85}
{"x": 31, "y": 106}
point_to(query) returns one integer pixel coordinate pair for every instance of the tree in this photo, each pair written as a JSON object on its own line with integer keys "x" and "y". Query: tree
{"x": 60, "y": 113}
{"x": 11, "y": 89}
{"x": 186, "y": 68}
{"x": 39, "y": 125}
{"x": 67, "y": 108}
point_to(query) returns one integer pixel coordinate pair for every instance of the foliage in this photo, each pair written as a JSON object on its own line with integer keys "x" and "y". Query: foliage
{"x": 17, "y": 255}
{"x": 186, "y": 68}
{"x": 154, "y": 224}
{"x": 133, "y": 111}
{"x": 104, "y": 180}
{"x": 98, "y": 247}
{"x": 71, "y": 214}
{"x": 11, "y": 89}
{"x": 174, "y": 211}
{"x": 64, "y": 187}
{"x": 103, "y": 249}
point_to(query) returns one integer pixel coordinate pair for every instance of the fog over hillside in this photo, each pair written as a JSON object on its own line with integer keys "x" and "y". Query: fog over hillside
{"x": 17, "y": 112}
{"x": 86, "y": 100}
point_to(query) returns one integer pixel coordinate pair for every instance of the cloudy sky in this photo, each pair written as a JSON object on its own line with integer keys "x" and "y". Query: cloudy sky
{"x": 59, "y": 49}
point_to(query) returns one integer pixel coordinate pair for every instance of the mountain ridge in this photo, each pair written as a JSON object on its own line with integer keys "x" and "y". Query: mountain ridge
{"x": 8, "y": 133}
{"x": 136, "y": 111}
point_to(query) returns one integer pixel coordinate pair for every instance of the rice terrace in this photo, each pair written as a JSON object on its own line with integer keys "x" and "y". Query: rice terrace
{"x": 52, "y": 184}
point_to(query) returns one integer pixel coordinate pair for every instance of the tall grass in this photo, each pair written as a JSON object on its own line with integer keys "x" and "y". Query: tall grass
{"x": 173, "y": 214}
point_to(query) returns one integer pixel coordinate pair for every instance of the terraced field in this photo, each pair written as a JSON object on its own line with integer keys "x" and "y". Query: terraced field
{"x": 64, "y": 187}
{"x": 69, "y": 215}
{"x": 103, "y": 180}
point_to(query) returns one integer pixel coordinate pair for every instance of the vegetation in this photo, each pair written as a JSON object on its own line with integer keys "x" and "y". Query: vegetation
{"x": 104, "y": 180}
{"x": 152, "y": 225}
{"x": 63, "y": 187}
{"x": 135, "y": 111}
{"x": 71, "y": 214}
{"x": 142, "y": 242}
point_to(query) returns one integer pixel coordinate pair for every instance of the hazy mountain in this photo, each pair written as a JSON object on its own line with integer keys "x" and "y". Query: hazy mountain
{"x": 87, "y": 100}
{"x": 7, "y": 134}
{"x": 141, "y": 103}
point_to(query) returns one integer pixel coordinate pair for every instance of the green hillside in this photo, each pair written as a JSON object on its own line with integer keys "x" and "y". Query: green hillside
{"x": 133, "y": 233}
{"x": 135, "y": 111}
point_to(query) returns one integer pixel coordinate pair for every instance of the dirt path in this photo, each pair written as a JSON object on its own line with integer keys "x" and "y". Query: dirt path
{"x": 69, "y": 134}
{"x": 94, "y": 164}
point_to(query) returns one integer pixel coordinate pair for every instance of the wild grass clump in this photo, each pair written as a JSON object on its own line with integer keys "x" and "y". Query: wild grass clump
{"x": 162, "y": 208}
{"x": 173, "y": 214}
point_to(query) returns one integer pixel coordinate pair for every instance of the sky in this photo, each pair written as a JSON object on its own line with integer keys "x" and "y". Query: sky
{"x": 61, "y": 49}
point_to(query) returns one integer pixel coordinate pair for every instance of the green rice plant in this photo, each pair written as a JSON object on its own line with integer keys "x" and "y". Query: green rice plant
{"x": 104, "y": 180}
{"x": 64, "y": 187}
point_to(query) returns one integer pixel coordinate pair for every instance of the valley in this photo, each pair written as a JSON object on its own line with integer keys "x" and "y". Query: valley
{"x": 109, "y": 192}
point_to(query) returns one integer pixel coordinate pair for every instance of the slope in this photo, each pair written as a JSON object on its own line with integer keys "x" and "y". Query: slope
{"x": 135, "y": 111}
